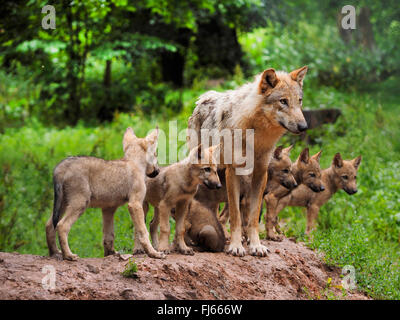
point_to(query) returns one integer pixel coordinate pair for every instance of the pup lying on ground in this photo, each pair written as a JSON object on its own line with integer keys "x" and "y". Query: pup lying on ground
{"x": 82, "y": 182}
{"x": 175, "y": 187}
{"x": 203, "y": 229}
{"x": 342, "y": 174}
{"x": 307, "y": 172}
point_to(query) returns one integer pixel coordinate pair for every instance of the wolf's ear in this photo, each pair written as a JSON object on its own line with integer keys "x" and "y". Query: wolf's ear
{"x": 337, "y": 160}
{"x": 129, "y": 137}
{"x": 153, "y": 136}
{"x": 278, "y": 153}
{"x": 298, "y": 75}
{"x": 317, "y": 156}
{"x": 304, "y": 155}
{"x": 268, "y": 81}
{"x": 357, "y": 162}
{"x": 287, "y": 150}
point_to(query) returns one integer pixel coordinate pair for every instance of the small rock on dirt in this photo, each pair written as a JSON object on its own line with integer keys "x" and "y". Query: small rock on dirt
{"x": 127, "y": 293}
{"x": 93, "y": 269}
{"x": 170, "y": 296}
{"x": 125, "y": 257}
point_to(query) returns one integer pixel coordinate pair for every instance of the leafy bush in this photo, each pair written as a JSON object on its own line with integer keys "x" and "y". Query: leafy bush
{"x": 331, "y": 62}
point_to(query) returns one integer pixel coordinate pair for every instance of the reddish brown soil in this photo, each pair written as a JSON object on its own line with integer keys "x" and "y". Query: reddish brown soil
{"x": 290, "y": 271}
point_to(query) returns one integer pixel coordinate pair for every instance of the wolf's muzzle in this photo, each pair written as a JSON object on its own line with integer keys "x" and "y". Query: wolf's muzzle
{"x": 154, "y": 173}
{"x": 302, "y": 126}
{"x": 317, "y": 189}
{"x": 351, "y": 191}
{"x": 212, "y": 185}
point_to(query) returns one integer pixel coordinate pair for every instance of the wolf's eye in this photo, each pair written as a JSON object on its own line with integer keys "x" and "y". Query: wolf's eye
{"x": 285, "y": 170}
{"x": 207, "y": 169}
{"x": 345, "y": 177}
{"x": 284, "y": 102}
{"x": 312, "y": 175}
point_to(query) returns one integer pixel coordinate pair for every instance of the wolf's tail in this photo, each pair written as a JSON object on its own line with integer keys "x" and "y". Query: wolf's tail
{"x": 58, "y": 200}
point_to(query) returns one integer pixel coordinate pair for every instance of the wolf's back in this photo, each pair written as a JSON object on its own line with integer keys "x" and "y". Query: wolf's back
{"x": 203, "y": 116}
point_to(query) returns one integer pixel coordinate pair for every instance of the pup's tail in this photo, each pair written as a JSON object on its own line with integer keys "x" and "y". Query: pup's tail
{"x": 58, "y": 200}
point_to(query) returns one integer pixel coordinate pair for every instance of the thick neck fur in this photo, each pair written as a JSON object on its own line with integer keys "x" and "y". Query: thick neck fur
{"x": 248, "y": 114}
{"x": 297, "y": 173}
{"x": 185, "y": 169}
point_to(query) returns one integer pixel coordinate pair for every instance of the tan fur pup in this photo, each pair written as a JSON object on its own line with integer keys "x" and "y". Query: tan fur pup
{"x": 342, "y": 174}
{"x": 83, "y": 182}
{"x": 174, "y": 188}
{"x": 270, "y": 105}
{"x": 307, "y": 172}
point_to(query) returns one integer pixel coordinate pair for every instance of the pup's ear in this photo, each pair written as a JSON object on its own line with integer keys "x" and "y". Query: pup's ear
{"x": 268, "y": 81}
{"x": 287, "y": 150}
{"x": 129, "y": 137}
{"x": 357, "y": 162}
{"x": 304, "y": 156}
{"x": 337, "y": 160}
{"x": 214, "y": 149}
{"x": 317, "y": 156}
{"x": 298, "y": 75}
{"x": 153, "y": 136}
{"x": 278, "y": 153}
{"x": 195, "y": 154}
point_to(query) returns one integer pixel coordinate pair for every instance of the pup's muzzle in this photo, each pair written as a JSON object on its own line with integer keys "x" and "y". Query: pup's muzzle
{"x": 350, "y": 191}
{"x": 212, "y": 185}
{"x": 154, "y": 173}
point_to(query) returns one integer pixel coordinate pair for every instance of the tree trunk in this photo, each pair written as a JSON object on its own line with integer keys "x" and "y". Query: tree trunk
{"x": 366, "y": 38}
{"x": 106, "y": 111}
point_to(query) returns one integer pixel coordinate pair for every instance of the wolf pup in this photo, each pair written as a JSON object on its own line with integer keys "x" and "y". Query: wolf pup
{"x": 307, "y": 172}
{"x": 270, "y": 105}
{"x": 82, "y": 182}
{"x": 342, "y": 174}
{"x": 203, "y": 228}
{"x": 174, "y": 188}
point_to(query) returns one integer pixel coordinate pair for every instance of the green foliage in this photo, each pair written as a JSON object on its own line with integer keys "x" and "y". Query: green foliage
{"x": 131, "y": 269}
{"x": 331, "y": 61}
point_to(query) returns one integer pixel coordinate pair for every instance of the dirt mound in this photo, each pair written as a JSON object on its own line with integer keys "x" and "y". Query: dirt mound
{"x": 291, "y": 271}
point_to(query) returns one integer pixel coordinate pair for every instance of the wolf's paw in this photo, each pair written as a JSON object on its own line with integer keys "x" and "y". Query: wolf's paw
{"x": 258, "y": 250}
{"x": 236, "y": 250}
{"x": 275, "y": 237}
{"x": 138, "y": 251}
{"x": 71, "y": 257}
{"x": 157, "y": 255}
{"x": 186, "y": 251}
{"x": 57, "y": 255}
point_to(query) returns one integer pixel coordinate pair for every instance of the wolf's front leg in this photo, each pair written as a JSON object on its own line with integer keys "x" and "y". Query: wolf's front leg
{"x": 233, "y": 189}
{"x": 312, "y": 215}
{"x": 258, "y": 184}
{"x": 180, "y": 217}
{"x": 270, "y": 218}
{"x": 141, "y": 233}
{"x": 163, "y": 212}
